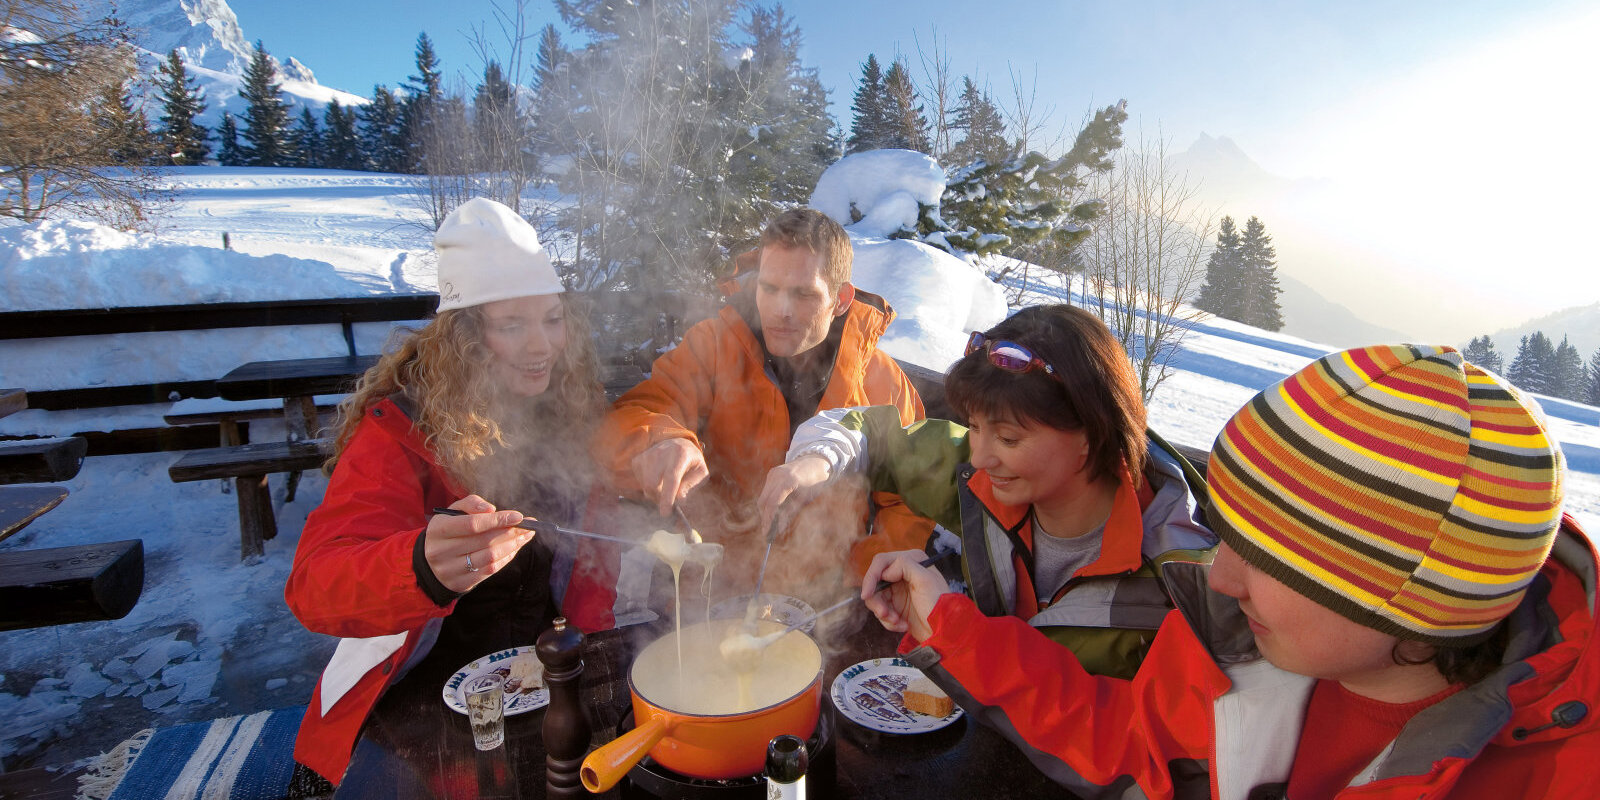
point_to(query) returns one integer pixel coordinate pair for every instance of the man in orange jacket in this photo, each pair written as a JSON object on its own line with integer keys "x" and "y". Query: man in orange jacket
{"x": 717, "y": 412}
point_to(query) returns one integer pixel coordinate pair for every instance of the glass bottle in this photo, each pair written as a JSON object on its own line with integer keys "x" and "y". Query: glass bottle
{"x": 786, "y": 768}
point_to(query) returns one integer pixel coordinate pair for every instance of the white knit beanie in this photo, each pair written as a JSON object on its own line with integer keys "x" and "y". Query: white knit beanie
{"x": 487, "y": 253}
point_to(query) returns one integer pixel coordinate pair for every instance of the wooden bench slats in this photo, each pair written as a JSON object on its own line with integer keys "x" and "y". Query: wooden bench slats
{"x": 248, "y": 465}
{"x": 58, "y": 585}
{"x": 256, "y": 458}
{"x": 41, "y": 460}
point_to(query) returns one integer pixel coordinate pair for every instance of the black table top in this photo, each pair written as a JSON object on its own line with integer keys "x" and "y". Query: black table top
{"x": 415, "y": 747}
{"x": 295, "y": 377}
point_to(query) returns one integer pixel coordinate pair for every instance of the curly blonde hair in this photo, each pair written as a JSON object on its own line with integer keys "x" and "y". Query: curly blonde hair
{"x": 443, "y": 369}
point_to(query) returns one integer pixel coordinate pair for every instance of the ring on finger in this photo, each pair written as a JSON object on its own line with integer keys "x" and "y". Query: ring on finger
{"x": 470, "y": 567}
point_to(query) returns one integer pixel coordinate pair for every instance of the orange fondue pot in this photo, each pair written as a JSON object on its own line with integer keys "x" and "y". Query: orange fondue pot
{"x": 708, "y": 721}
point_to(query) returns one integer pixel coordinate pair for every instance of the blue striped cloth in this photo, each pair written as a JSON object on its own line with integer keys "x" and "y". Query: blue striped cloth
{"x": 239, "y": 758}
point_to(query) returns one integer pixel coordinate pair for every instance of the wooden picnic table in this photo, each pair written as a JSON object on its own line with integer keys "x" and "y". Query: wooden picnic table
{"x": 297, "y": 381}
{"x": 20, "y": 505}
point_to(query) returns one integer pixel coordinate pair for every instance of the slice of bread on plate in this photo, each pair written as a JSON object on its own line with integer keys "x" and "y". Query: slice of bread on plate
{"x": 923, "y": 697}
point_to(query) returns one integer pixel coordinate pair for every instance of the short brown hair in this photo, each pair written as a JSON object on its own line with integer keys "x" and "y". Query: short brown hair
{"x": 1098, "y": 392}
{"x": 815, "y": 231}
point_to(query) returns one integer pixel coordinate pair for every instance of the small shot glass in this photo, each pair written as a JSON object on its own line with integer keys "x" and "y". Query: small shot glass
{"x": 485, "y": 699}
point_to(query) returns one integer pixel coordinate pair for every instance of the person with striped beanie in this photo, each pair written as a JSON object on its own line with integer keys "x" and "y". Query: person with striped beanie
{"x": 1398, "y": 609}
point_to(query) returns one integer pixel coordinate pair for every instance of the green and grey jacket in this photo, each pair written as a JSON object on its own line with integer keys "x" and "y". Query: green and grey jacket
{"x": 1109, "y": 610}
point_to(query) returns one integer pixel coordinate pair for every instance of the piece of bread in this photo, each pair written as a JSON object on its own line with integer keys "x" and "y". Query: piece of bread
{"x": 527, "y": 673}
{"x": 923, "y": 697}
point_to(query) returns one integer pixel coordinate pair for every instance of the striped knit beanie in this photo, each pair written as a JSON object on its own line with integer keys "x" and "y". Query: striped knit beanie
{"x": 1402, "y": 487}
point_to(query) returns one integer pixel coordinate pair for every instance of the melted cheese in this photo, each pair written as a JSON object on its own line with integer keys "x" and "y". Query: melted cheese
{"x": 711, "y": 685}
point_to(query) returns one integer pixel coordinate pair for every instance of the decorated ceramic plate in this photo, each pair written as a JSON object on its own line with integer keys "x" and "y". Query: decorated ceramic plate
{"x": 778, "y": 607}
{"x": 869, "y": 694}
{"x": 521, "y": 696}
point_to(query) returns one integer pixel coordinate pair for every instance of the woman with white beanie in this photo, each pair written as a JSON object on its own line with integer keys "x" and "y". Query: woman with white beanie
{"x": 486, "y": 410}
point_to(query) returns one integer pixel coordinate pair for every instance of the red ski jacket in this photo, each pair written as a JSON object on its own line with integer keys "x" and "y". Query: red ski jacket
{"x": 353, "y": 578}
{"x": 1207, "y": 717}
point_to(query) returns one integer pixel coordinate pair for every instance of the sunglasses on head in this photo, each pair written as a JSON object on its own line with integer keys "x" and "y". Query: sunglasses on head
{"x": 1008, "y": 355}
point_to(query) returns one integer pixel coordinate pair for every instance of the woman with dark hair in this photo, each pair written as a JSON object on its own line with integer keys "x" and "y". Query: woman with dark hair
{"x": 487, "y": 410}
{"x": 1063, "y": 506}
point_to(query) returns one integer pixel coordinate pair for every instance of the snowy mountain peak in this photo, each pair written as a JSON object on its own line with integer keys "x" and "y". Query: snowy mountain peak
{"x": 296, "y": 71}
{"x": 205, "y": 30}
{"x": 1221, "y": 152}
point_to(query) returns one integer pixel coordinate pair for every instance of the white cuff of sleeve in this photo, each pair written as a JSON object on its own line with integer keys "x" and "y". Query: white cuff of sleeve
{"x": 829, "y": 454}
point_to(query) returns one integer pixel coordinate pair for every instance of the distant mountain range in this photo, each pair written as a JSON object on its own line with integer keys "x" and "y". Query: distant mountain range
{"x": 1580, "y": 325}
{"x": 216, "y": 52}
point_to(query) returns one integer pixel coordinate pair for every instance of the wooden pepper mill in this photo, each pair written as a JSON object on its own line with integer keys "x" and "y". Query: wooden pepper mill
{"x": 566, "y": 726}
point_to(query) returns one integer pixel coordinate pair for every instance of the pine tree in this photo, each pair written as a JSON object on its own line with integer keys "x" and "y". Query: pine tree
{"x": 266, "y": 119}
{"x": 1591, "y": 393}
{"x": 552, "y": 86}
{"x": 653, "y": 154}
{"x": 383, "y": 132}
{"x": 1025, "y": 206}
{"x": 1259, "y": 263}
{"x": 229, "y": 154}
{"x": 869, "y": 129}
{"x": 305, "y": 141}
{"x": 1221, "y": 293}
{"x": 1480, "y": 351}
{"x": 341, "y": 146}
{"x": 499, "y": 127}
{"x": 125, "y": 131}
{"x": 183, "y": 138}
{"x": 423, "y": 91}
{"x": 1566, "y": 372}
{"x": 908, "y": 125}
{"x": 1534, "y": 364}
{"x": 788, "y": 140}
{"x": 983, "y": 129}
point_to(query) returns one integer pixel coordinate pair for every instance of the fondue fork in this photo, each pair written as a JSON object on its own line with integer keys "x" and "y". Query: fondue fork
{"x": 767, "y": 639}
{"x": 752, "y": 611}
{"x": 540, "y": 526}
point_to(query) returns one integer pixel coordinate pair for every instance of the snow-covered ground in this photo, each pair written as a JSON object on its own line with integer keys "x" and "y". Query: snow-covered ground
{"x": 211, "y": 636}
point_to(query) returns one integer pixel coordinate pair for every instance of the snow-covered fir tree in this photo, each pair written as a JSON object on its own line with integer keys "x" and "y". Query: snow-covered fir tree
{"x": 1567, "y": 372}
{"x": 341, "y": 144}
{"x": 382, "y": 131}
{"x": 1481, "y": 351}
{"x": 183, "y": 138}
{"x": 1026, "y": 206}
{"x": 1259, "y": 261}
{"x": 229, "y": 153}
{"x": 1223, "y": 290}
{"x": 305, "y": 141}
{"x": 1533, "y": 365}
{"x": 266, "y": 118}
{"x": 657, "y": 199}
{"x": 871, "y": 121}
{"x": 1591, "y": 386}
{"x": 790, "y": 140}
